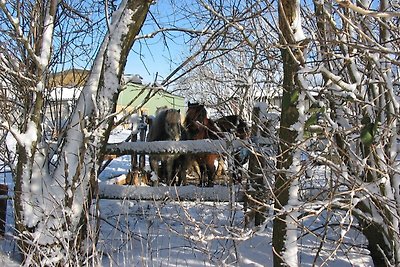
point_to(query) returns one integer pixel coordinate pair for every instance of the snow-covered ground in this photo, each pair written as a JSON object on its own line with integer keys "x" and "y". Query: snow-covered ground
{"x": 146, "y": 233}
{"x": 179, "y": 233}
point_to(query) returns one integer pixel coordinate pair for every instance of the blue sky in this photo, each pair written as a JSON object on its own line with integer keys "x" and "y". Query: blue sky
{"x": 158, "y": 55}
{"x": 153, "y": 58}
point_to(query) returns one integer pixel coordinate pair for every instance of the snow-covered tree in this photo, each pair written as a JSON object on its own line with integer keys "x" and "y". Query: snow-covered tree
{"x": 285, "y": 230}
{"x": 55, "y": 194}
{"x": 333, "y": 70}
{"x": 361, "y": 100}
{"x": 338, "y": 159}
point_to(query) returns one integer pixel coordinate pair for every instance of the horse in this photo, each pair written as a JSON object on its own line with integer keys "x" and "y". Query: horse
{"x": 198, "y": 126}
{"x": 165, "y": 126}
{"x": 236, "y": 125}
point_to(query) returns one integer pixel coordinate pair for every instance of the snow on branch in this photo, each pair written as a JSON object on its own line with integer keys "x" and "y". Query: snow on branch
{"x": 15, "y": 22}
{"x": 366, "y": 12}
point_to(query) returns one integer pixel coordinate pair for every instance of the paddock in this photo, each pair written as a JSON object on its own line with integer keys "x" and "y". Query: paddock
{"x": 251, "y": 192}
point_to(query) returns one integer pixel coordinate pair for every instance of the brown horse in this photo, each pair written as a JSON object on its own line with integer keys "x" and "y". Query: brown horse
{"x": 198, "y": 126}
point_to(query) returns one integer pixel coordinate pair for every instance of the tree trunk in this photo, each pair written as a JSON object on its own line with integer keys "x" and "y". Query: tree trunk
{"x": 284, "y": 226}
{"x": 256, "y": 192}
{"x": 52, "y": 205}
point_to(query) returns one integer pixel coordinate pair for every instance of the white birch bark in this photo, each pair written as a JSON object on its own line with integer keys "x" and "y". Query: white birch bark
{"x": 55, "y": 203}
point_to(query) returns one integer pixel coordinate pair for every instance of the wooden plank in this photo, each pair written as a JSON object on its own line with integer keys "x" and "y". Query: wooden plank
{"x": 175, "y": 147}
{"x": 179, "y": 193}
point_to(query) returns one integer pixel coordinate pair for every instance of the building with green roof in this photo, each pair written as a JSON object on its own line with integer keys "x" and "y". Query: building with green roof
{"x": 148, "y": 99}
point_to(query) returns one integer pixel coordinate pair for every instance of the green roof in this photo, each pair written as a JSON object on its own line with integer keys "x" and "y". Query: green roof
{"x": 136, "y": 94}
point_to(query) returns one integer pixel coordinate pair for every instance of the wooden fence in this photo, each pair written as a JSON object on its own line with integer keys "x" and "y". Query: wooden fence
{"x": 189, "y": 192}
{"x": 253, "y": 193}
{"x": 178, "y": 193}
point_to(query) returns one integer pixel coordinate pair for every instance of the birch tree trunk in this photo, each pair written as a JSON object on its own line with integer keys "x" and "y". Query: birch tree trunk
{"x": 52, "y": 204}
{"x": 284, "y": 238}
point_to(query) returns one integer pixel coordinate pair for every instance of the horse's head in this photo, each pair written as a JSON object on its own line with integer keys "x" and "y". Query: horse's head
{"x": 196, "y": 121}
{"x": 196, "y": 112}
{"x": 173, "y": 124}
{"x": 243, "y": 129}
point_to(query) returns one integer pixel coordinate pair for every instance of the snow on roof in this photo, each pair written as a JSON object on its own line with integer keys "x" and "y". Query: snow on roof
{"x": 133, "y": 78}
{"x": 65, "y": 93}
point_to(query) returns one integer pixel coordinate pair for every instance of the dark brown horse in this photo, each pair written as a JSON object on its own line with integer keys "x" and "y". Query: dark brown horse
{"x": 234, "y": 124}
{"x": 198, "y": 126}
{"x": 237, "y": 126}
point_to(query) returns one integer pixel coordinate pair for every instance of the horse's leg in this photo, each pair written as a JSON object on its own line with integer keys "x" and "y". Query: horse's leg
{"x": 170, "y": 174}
{"x": 166, "y": 171}
{"x": 181, "y": 164}
{"x": 238, "y": 167}
{"x": 221, "y": 167}
{"x": 198, "y": 169}
{"x": 211, "y": 171}
{"x": 241, "y": 157}
{"x": 154, "y": 167}
{"x": 202, "y": 173}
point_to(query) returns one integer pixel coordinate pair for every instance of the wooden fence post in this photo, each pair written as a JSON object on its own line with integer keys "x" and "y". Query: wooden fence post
{"x": 134, "y": 161}
{"x": 3, "y": 208}
{"x": 133, "y": 176}
{"x": 136, "y": 177}
{"x": 142, "y": 132}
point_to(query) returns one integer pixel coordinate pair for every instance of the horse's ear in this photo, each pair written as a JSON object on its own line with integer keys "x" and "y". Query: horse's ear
{"x": 193, "y": 104}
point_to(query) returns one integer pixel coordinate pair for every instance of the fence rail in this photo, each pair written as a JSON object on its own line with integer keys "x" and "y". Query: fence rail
{"x": 185, "y": 193}
{"x": 175, "y": 147}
